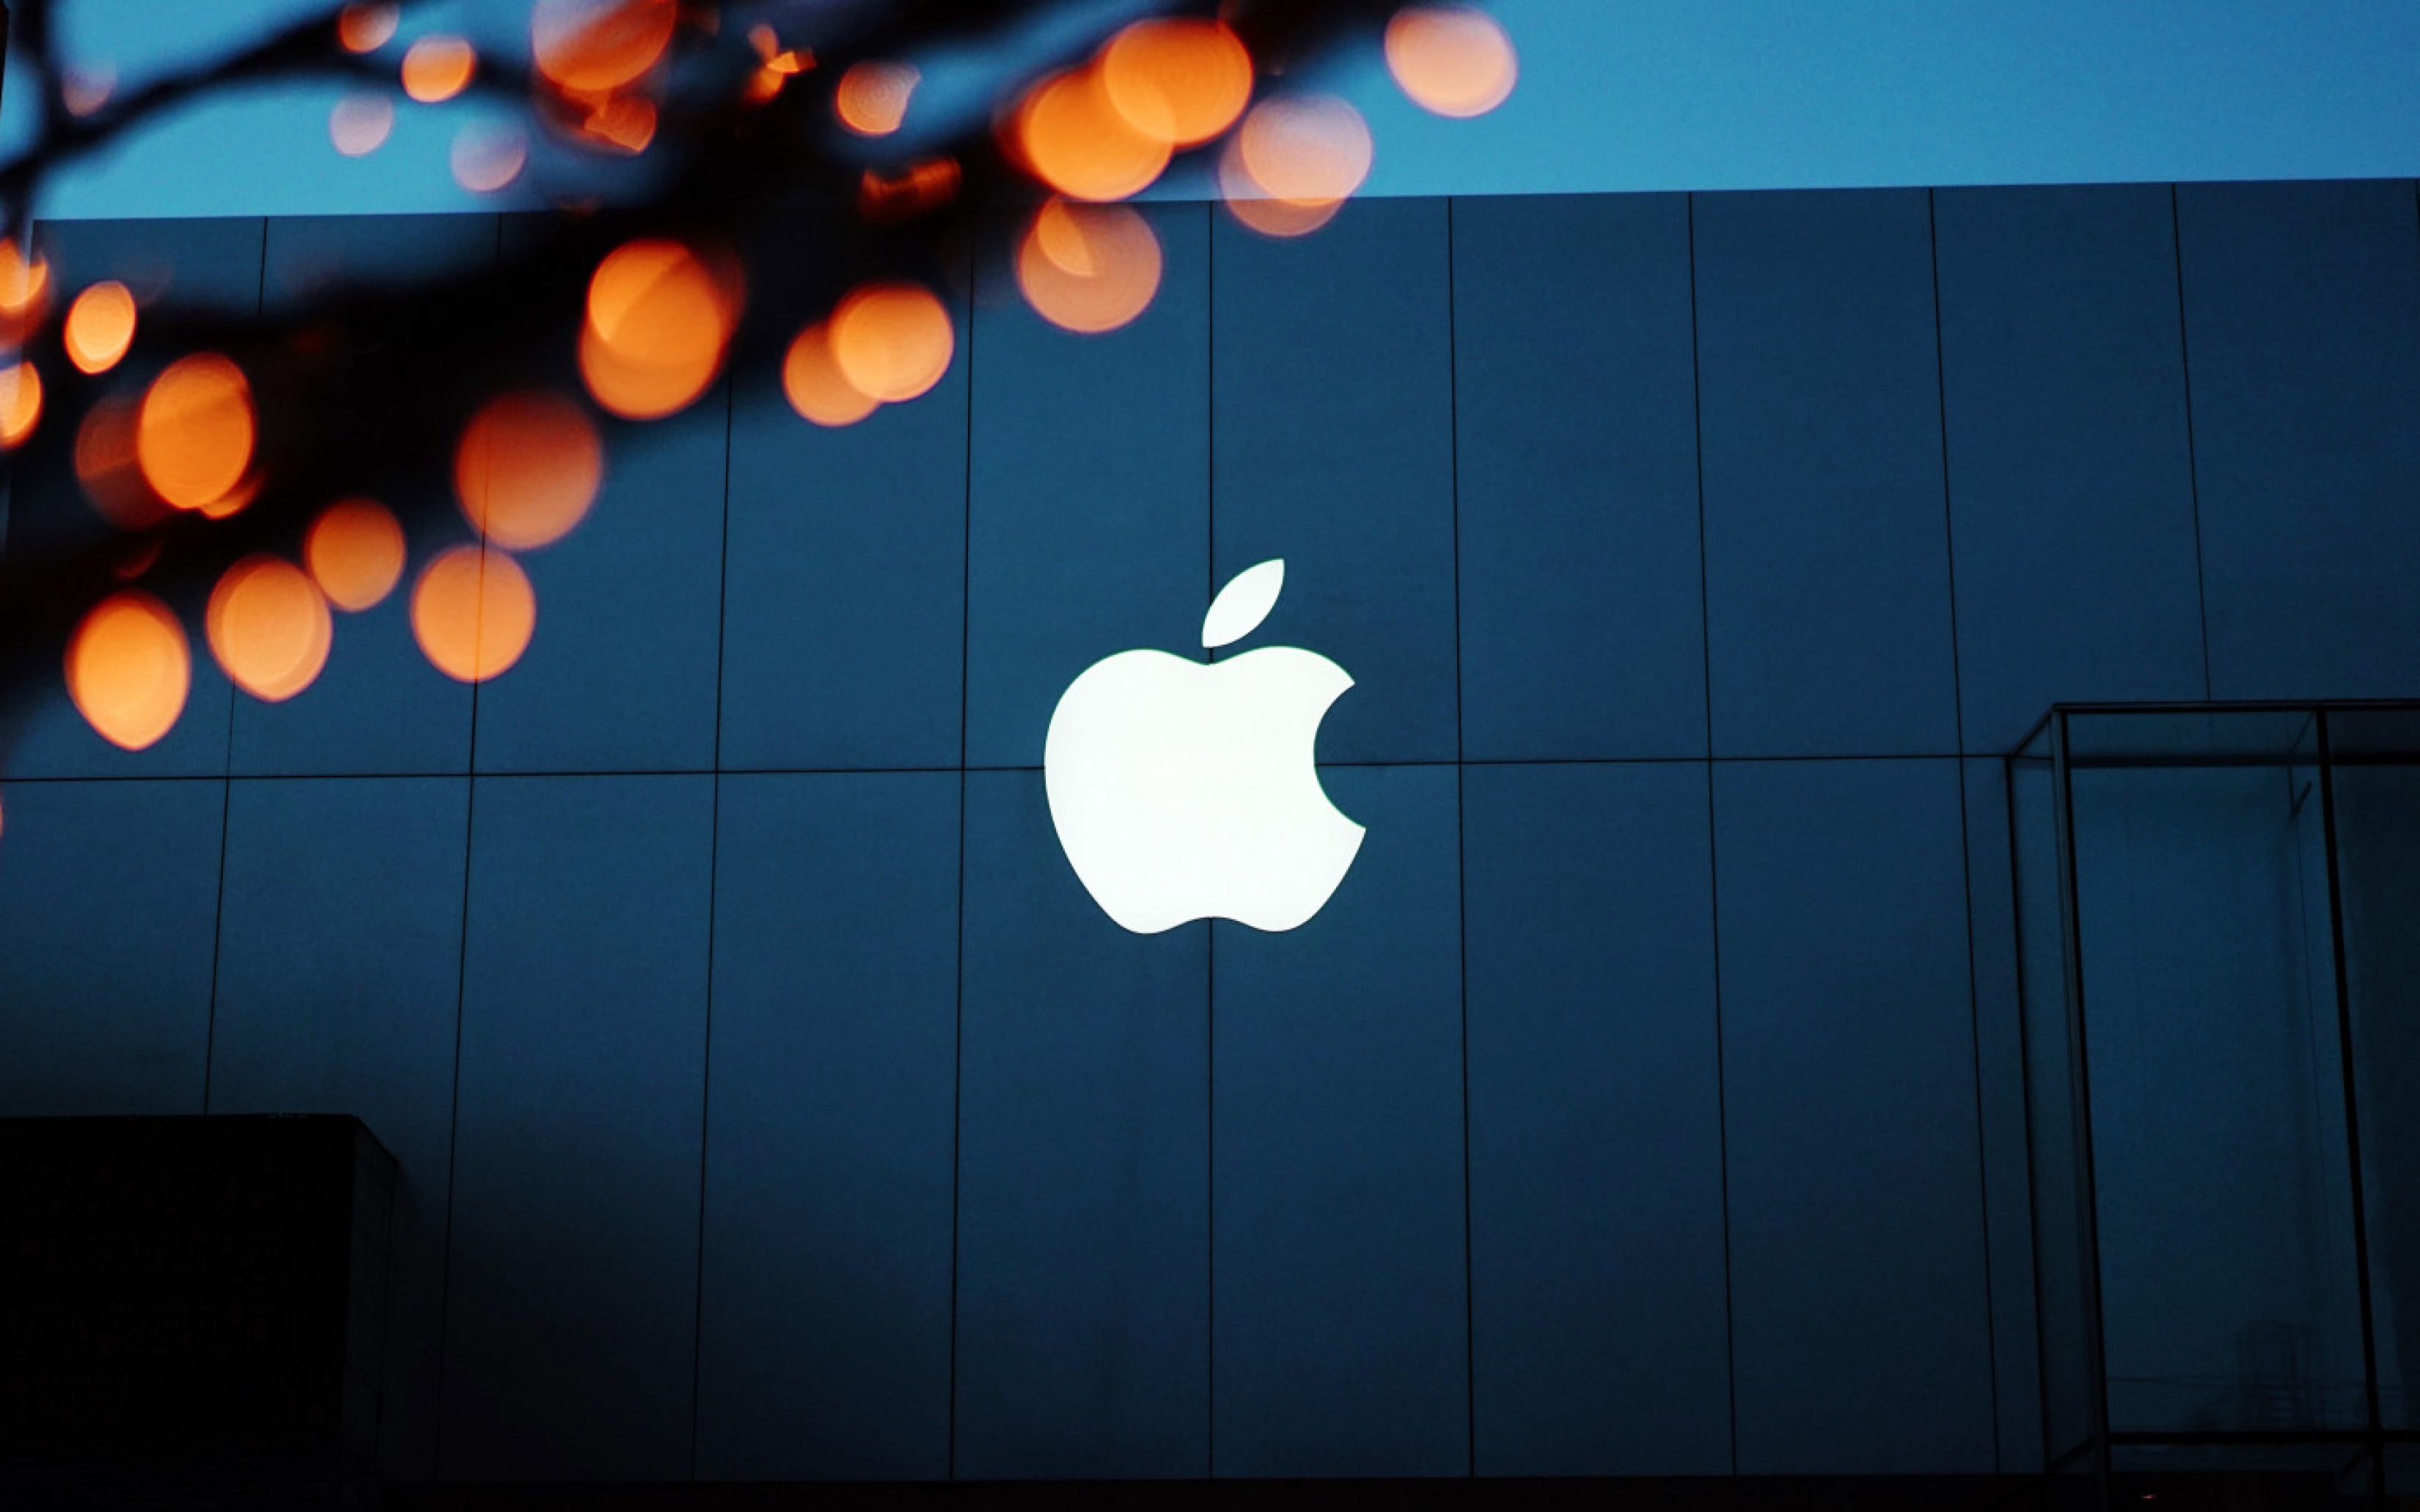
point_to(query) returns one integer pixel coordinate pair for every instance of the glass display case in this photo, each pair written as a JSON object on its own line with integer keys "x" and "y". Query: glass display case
{"x": 2218, "y": 923}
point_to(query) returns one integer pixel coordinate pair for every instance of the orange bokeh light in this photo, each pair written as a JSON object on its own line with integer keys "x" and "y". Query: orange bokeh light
{"x": 1182, "y": 80}
{"x": 885, "y": 199}
{"x": 269, "y": 627}
{"x": 193, "y": 435}
{"x": 527, "y": 469}
{"x": 660, "y": 320}
{"x": 364, "y": 28}
{"x": 106, "y": 466}
{"x": 1450, "y": 59}
{"x": 359, "y": 125}
{"x": 891, "y": 341}
{"x": 872, "y": 98}
{"x": 472, "y": 612}
{"x": 598, "y": 46}
{"x": 1079, "y": 144}
{"x": 128, "y": 669}
{"x": 1257, "y": 209}
{"x": 485, "y": 158}
{"x": 1307, "y": 149}
{"x": 354, "y": 552}
{"x": 25, "y": 292}
{"x": 99, "y": 327}
{"x": 84, "y": 90}
{"x": 437, "y": 68}
{"x": 1088, "y": 268}
{"x": 21, "y": 403}
{"x": 815, "y": 386}
{"x": 626, "y": 123}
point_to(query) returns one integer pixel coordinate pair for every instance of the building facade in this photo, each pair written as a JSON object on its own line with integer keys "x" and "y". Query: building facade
{"x": 773, "y": 1102}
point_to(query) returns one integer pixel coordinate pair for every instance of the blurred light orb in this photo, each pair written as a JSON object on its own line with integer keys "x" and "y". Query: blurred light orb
{"x": 25, "y": 292}
{"x": 598, "y": 46}
{"x": 354, "y": 552}
{"x": 1310, "y": 149}
{"x": 1255, "y": 208}
{"x": 487, "y": 158}
{"x": 1074, "y": 140}
{"x": 815, "y": 385}
{"x": 269, "y": 627}
{"x": 660, "y": 321}
{"x": 624, "y": 123}
{"x": 472, "y": 612}
{"x": 527, "y": 469}
{"x": 99, "y": 327}
{"x": 1452, "y": 60}
{"x": 84, "y": 90}
{"x": 1181, "y": 79}
{"x": 128, "y": 669}
{"x": 106, "y": 466}
{"x": 21, "y": 403}
{"x": 437, "y": 68}
{"x": 364, "y": 28}
{"x": 359, "y": 125}
{"x": 1088, "y": 268}
{"x": 872, "y": 98}
{"x": 891, "y": 341}
{"x": 193, "y": 435}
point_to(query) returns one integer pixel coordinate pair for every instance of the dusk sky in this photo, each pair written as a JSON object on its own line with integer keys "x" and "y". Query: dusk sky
{"x": 1639, "y": 95}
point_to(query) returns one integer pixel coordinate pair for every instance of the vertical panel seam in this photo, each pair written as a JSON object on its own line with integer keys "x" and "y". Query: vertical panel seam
{"x": 2193, "y": 460}
{"x": 1965, "y": 846}
{"x": 1210, "y": 927}
{"x": 1713, "y": 880}
{"x": 461, "y": 995}
{"x": 958, "y": 1010}
{"x": 1461, "y": 871}
{"x": 713, "y": 880}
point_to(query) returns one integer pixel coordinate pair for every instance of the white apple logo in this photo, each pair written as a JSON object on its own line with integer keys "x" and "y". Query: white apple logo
{"x": 1185, "y": 789}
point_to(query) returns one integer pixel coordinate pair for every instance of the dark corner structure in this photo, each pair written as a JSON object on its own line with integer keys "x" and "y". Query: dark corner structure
{"x": 2219, "y": 951}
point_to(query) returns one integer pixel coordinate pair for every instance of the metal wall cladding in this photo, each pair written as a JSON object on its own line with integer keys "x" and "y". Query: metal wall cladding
{"x": 773, "y": 1102}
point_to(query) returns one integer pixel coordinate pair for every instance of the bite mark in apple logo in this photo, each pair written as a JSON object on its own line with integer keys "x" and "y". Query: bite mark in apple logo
{"x": 1184, "y": 790}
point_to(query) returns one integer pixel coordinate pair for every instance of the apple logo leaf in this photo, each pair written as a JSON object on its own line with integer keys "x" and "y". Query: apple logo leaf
{"x": 1243, "y": 604}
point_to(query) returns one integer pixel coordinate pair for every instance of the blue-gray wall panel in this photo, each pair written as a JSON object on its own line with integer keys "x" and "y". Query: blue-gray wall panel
{"x": 338, "y": 982}
{"x": 1091, "y": 498}
{"x": 1339, "y": 1268}
{"x": 1599, "y": 1317}
{"x": 108, "y": 915}
{"x": 1860, "y": 1314}
{"x": 1083, "y": 1250}
{"x": 2070, "y": 471}
{"x": 1999, "y": 1079}
{"x": 572, "y": 1303}
{"x": 845, "y": 614}
{"x": 1577, "y": 474}
{"x": 2303, "y": 320}
{"x": 1333, "y": 446}
{"x": 378, "y": 706}
{"x": 206, "y": 265}
{"x": 1828, "y": 567}
{"x": 825, "y": 1343}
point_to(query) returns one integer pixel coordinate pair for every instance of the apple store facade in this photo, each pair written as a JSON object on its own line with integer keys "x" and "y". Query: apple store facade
{"x": 1639, "y": 1089}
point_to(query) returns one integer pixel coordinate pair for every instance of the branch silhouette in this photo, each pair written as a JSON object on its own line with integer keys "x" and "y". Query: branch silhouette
{"x": 367, "y": 389}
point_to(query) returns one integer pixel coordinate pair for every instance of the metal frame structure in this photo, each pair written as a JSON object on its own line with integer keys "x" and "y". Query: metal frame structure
{"x": 2085, "y": 1469}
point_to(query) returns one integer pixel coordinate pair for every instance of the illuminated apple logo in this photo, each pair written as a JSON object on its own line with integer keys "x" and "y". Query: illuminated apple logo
{"x": 1184, "y": 790}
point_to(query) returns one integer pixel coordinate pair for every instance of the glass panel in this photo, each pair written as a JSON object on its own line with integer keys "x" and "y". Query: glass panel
{"x": 2067, "y": 1356}
{"x": 2184, "y": 737}
{"x": 2378, "y": 859}
{"x": 2229, "y": 1299}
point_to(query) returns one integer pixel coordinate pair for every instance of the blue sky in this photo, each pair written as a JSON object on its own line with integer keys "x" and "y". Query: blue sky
{"x": 1615, "y": 95}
